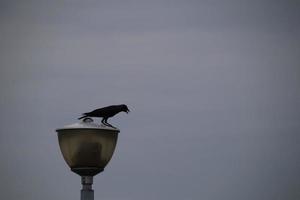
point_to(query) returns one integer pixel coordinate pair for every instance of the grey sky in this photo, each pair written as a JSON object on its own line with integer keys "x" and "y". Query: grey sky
{"x": 213, "y": 87}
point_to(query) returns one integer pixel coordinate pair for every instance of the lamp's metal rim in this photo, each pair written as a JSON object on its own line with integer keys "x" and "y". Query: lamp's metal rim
{"x": 88, "y": 125}
{"x": 106, "y": 129}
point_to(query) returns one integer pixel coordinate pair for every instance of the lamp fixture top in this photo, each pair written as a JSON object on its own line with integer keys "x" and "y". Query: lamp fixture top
{"x": 88, "y": 124}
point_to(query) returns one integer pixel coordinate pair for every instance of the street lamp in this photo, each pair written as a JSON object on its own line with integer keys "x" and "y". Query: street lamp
{"x": 87, "y": 148}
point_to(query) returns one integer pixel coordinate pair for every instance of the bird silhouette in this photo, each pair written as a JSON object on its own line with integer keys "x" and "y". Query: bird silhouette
{"x": 106, "y": 112}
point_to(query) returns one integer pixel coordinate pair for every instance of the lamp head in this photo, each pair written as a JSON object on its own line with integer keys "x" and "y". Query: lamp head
{"x": 87, "y": 147}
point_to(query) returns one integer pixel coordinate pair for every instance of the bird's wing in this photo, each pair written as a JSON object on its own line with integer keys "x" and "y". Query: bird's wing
{"x": 104, "y": 112}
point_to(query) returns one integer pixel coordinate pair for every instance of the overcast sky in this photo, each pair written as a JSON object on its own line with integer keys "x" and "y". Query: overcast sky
{"x": 213, "y": 86}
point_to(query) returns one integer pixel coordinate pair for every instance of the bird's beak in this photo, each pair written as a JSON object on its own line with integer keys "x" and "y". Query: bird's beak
{"x": 127, "y": 111}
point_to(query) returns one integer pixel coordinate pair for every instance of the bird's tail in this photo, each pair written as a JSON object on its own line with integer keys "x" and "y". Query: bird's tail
{"x": 83, "y": 116}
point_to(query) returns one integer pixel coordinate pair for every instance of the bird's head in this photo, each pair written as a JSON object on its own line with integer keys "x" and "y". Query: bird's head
{"x": 124, "y": 108}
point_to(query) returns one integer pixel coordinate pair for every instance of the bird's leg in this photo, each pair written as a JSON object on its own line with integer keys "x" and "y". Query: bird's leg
{"x": 103, "y": 121}
{"x": 108, "y": 124}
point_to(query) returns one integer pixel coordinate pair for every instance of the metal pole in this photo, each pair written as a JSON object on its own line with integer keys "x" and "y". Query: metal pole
{"x": 87, "y": 193}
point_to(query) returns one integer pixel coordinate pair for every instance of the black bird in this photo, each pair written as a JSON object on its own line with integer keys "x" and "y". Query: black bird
{"x": 106, "y": 113}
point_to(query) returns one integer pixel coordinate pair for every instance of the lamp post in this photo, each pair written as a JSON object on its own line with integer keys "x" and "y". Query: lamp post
{"x": 87, "y": 148}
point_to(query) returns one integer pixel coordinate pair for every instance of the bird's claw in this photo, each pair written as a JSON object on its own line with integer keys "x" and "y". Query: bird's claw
{"x": 107, "y": 124}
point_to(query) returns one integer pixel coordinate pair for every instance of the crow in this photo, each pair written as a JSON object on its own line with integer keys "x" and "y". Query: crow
{"x": 106, "y": 112}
